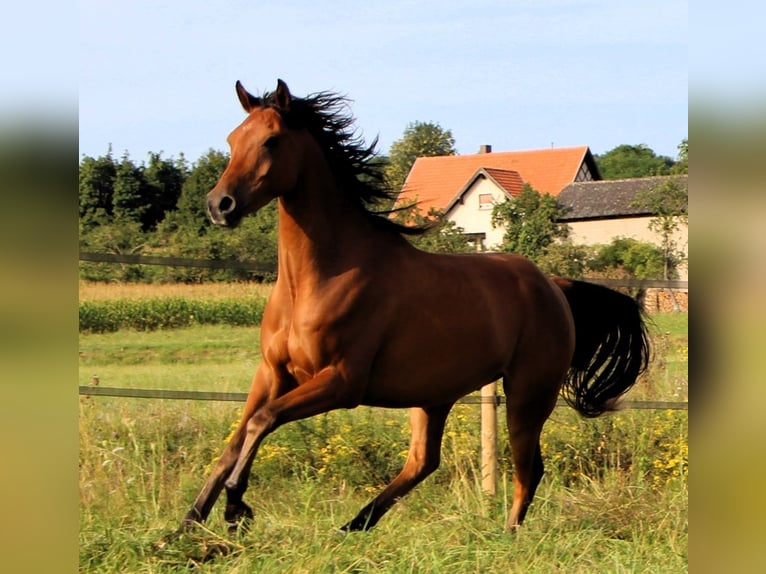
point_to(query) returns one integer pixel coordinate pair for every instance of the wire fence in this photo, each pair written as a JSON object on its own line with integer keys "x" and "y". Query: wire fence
{"x": 140, "y": 259}
{"x": 172, "y": 394}
{"x": 175, "y": 394}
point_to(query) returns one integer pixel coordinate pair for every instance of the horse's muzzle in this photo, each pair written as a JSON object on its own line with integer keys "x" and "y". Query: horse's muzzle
{"x": 222, "y": 210}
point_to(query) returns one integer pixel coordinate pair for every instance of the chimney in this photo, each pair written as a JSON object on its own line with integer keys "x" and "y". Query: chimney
{"x": 485, "y": 148}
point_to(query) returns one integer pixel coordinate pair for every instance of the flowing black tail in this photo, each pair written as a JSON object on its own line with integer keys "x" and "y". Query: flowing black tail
{"x": 611, "y": 346}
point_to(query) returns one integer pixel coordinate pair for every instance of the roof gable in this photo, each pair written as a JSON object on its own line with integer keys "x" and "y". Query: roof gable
{"x": 509, "y": 182}
{"x": 435, "y": 181}
{"x": 607, "y": 198}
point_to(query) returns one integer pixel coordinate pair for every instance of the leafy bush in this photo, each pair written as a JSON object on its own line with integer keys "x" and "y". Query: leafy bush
{"x": 635, "y": 258}
{"x": 565, "y": 258}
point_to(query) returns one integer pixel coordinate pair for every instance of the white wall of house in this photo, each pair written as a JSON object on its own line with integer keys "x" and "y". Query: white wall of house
{"x": 605, "y": 230}
{"x": 474, "y": 212}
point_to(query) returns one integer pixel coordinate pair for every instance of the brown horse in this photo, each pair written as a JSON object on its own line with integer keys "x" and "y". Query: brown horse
{"x": 358, "y": 316}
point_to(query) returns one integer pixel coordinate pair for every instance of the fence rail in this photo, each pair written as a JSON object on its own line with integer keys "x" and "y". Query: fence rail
{"x": 642, "y": 283}
{"x": 173, "y": 394}
{"x": 138, "y": 259}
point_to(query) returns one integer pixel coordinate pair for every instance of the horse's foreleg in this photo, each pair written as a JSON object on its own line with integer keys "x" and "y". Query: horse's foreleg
{"x": 328, "y": 390}
{"x": 205, "y": 500}
{"x": 423, "y": 458}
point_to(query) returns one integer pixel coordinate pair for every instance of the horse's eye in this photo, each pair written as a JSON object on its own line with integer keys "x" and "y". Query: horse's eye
{"x": 271, "y": 143}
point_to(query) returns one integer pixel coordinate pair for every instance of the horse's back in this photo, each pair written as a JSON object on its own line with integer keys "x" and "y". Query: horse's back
{"x": 457, "y": 322}
{"x": 501, "y": 286}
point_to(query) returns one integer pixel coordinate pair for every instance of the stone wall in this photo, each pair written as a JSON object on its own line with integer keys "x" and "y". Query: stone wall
{"x": 661, "y": 301}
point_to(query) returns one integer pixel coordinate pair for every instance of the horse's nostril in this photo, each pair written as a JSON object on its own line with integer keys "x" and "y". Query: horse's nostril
{"x": 227, "y": 204}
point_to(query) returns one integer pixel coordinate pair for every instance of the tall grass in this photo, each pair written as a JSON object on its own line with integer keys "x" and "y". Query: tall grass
{"x": 142, "y": 464}
{"x": 94, "y": 291}
{"x": 614, "y": 498}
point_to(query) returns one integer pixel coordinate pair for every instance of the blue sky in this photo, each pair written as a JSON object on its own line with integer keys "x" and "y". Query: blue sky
{"x": 517, "y": 75}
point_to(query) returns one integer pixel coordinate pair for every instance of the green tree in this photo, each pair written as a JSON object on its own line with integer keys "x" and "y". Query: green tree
{"x": 128, "y": 197}
{"x": 96, "y": 187}
{"x": 164, "y": 180}
{"x": 682, "y": 165}
{"x": 444, "y": 236}
{"x": 190, "y": 213}
{"x": 531, "y": 223}
{"x": 629, "y": 161}
{"x": 111, "y": 191}
{"x": 120, "y": 237}
{"x": 420, "y": 139}
{"x": 256, "y": 240}
{"x": 669, "y": 202}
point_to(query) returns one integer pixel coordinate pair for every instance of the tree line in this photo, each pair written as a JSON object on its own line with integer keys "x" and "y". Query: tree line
{"x": 156, "y": 207}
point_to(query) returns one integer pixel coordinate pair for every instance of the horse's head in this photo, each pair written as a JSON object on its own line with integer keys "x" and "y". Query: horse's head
{"x": 263, "y": 163}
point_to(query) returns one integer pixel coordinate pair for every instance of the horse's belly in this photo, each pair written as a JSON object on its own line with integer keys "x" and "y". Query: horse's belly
{"x": 434, "y": 372}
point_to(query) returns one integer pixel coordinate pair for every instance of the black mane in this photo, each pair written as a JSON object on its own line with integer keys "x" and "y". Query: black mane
{"x": 327, "y": 117}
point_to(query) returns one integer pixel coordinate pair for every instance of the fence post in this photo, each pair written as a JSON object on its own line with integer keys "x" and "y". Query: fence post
{"x": 489, "y": 438}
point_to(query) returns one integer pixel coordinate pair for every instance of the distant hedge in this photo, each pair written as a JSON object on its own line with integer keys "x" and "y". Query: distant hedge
{"x": 167, "y": 313}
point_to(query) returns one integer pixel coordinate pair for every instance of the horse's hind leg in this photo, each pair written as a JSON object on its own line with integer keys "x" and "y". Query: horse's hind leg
{"x": 427, "y": 427}
{"x": 528, "y": 471}
{"x": 525, "y": 423}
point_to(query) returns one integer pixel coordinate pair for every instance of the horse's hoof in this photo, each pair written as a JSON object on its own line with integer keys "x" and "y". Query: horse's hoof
{"x": 186, "y": 526}
{"x": 238, "y": 526}
{"x": 356, "y": 525}
{"x": 237, "y": 516}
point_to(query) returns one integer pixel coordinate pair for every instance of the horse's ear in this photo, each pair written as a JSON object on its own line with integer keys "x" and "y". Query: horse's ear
{"x": 282, "y": 96}
{"x": 247, "y": 100}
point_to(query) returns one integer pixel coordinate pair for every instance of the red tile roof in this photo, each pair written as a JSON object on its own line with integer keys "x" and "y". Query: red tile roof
{"x": 436, "y": 181}
{"x": 510, "y": 181}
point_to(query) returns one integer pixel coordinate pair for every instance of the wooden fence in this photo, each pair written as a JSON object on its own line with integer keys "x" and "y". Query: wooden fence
{"x": 489, "y": 399}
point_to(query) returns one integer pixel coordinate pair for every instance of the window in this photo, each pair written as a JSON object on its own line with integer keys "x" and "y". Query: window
{"x": 476, "y": 240}
{"x": 486, "y": 201}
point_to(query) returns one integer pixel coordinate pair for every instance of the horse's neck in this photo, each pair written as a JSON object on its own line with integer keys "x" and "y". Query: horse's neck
{"x": 321, "y": 236}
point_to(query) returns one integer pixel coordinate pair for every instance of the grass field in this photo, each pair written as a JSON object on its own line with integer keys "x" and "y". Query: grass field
{"x": 614, "y": 499}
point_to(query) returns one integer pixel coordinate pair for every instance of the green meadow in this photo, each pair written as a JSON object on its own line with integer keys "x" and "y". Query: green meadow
{"x": 614, "y": 498}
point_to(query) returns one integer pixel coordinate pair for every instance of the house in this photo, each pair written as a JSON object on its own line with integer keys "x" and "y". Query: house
{"x": 599, "y": 211}
{"x": 465, "y": 187}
